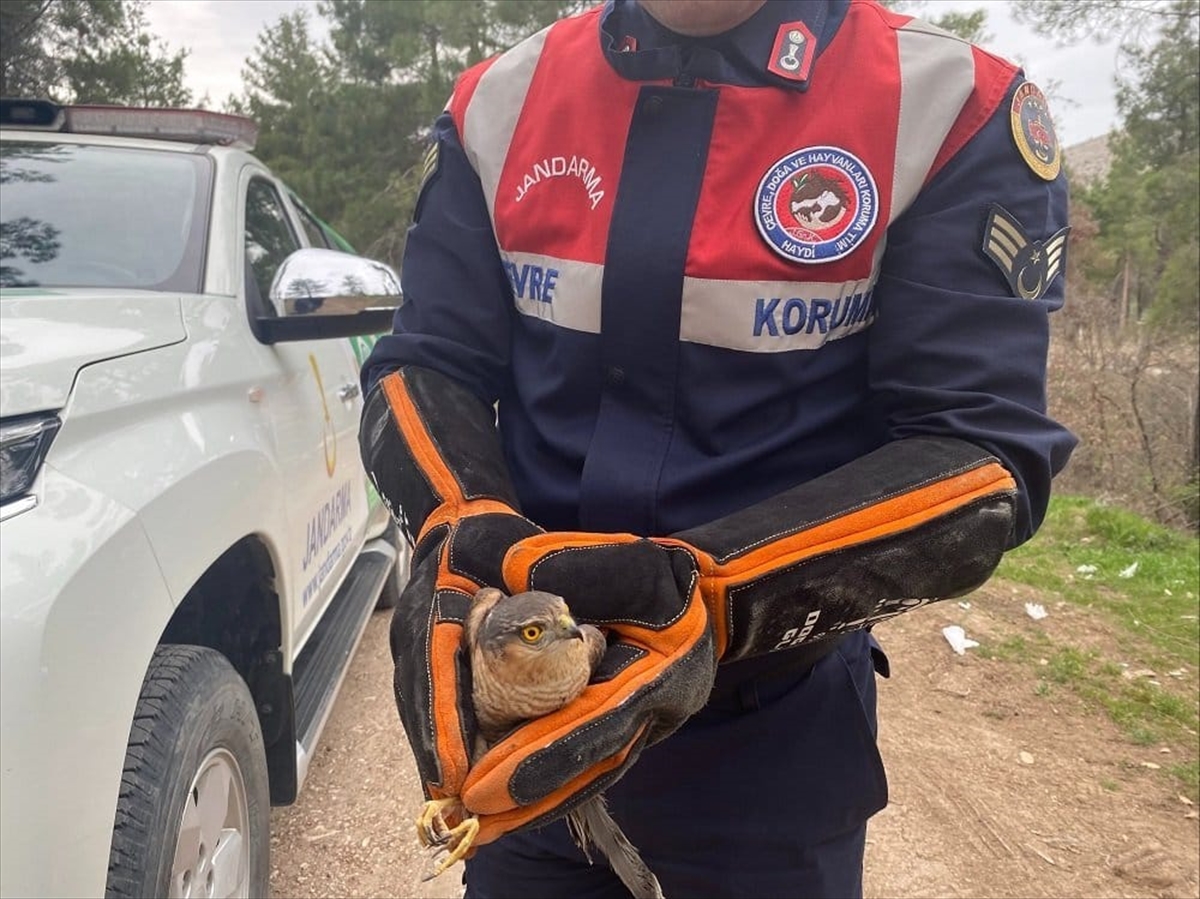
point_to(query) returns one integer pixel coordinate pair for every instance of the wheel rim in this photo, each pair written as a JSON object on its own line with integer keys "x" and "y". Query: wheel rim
{"x": 212, "y": 851}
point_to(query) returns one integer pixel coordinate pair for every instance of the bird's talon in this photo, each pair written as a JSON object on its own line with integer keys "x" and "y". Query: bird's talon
{"x": 431, "y": 825}
{"x": 449, "y": 844}
{"x": 454, "y": 846}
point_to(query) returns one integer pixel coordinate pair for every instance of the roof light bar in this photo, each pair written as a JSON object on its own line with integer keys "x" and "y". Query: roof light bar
{"x": 193, "y": 125}
{"x": 198, "y": 125}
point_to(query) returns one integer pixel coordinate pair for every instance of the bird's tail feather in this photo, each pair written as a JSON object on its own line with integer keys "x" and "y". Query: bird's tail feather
{"x": 591, "y": 823}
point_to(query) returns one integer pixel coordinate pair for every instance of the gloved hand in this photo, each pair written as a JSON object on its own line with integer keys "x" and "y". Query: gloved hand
{"x": 431, "y": 449}
{"x": 433, "y": 454}
{"x": 657, "y": 671}
{"x": 431, "y": 678}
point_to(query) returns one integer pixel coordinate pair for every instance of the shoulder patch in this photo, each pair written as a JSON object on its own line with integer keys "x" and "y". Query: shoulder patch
{"x": 429, "y": 169}
{"x": 1029, "y": 266}
{"x": 430, "y": 164}
{"x": 1033, "y": 131}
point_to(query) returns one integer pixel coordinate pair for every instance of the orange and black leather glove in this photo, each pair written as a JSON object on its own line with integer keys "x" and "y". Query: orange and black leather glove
{"x": 916, "y": 521}
{"x": 433, "y": 453}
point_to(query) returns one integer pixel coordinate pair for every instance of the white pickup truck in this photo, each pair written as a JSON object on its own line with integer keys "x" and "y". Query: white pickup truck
{"x": 189, "y": 546}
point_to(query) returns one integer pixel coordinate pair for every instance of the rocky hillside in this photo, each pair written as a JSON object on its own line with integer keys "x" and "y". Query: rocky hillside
{"x": 1089, "y": 160}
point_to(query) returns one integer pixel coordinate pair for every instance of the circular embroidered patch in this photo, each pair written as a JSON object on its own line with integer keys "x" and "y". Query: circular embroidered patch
{"x": 816, "y": 204}
{"x": 1033, "y": 132}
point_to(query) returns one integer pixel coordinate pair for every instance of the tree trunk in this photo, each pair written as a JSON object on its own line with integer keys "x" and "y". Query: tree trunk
{"x": 1125, "y": 294}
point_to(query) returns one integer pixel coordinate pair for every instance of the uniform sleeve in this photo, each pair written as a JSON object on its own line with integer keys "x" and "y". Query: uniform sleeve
{"x": 455, "y": 318}
{"x": 956, "y": 352}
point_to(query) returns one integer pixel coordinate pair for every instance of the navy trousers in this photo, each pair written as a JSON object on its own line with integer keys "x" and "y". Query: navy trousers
{"x": 766, "y": 793}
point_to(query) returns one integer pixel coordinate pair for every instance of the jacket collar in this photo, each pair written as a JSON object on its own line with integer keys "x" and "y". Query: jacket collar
{"x": 641, "y": 49}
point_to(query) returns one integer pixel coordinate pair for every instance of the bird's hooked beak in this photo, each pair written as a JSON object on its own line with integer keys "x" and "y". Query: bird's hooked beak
{"x": 569, "y": 628}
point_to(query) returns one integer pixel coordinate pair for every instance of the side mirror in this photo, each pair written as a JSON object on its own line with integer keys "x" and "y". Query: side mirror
{"x": 327, "y": 293}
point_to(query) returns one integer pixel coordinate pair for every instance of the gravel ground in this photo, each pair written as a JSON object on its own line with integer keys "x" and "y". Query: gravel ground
{"x": 351, "y": 833}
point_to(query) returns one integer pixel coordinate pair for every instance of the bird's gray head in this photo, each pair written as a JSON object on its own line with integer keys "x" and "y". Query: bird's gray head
{"x": 531, "y": 621}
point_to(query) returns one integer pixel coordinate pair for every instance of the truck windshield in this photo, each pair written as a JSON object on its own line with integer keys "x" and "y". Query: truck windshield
{"x": 76, "y": 215}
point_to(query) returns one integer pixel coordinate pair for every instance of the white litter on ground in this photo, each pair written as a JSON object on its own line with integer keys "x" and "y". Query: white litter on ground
{"x": 1036, "y": 611}
{"x": 1130, "y": 571}
{"x": 957, "y": 638}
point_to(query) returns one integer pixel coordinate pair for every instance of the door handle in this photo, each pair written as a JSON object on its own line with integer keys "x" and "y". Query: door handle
{"x": 347, "y": 392}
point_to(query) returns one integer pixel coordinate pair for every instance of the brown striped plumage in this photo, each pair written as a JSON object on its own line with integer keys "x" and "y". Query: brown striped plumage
{"x": 515, "y": 678}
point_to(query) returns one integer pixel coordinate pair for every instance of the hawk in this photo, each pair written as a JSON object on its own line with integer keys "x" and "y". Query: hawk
{"x": 529, "y": 657}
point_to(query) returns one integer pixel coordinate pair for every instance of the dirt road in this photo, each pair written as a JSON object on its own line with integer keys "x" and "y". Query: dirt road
{"x": 995, "y": 790}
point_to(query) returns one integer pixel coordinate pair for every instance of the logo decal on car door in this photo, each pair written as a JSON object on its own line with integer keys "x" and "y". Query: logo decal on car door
{"x": 328, "y": 435}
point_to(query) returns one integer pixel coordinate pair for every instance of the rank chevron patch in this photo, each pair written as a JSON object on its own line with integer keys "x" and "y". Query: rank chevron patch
{"x": 1028, "y": 265}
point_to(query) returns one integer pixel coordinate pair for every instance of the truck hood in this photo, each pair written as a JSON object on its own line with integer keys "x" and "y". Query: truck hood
{"x": 46, "y": 336}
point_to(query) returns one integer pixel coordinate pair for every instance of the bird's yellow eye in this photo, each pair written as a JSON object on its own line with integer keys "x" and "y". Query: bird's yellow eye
{"x": 531, "y": 633}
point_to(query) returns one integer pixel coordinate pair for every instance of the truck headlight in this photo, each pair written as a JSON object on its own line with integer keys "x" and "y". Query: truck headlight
{"x": 24, "y": 441}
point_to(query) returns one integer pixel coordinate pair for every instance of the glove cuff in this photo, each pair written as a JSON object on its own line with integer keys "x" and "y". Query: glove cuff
{"x": 916, "y": 521}
{"x": 432, "y": 451}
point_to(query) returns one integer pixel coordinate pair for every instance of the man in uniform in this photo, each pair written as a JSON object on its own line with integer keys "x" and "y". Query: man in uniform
{"x": 759, "y": 293}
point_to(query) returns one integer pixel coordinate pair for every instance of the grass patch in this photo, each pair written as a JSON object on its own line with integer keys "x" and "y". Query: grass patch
{"x": 1017, "y": 648}
{"x": 1086, "y": 553}
{"x": 1188, "y": 774}
{"x": 1070, "y": 666}
{"x": 1080, "y": 554}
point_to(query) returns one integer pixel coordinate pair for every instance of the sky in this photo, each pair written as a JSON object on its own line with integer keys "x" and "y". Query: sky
{"x": 1078, "y": 78}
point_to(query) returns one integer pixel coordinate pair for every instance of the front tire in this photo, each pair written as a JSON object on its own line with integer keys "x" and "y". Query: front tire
{"x": 193, "y": 814}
